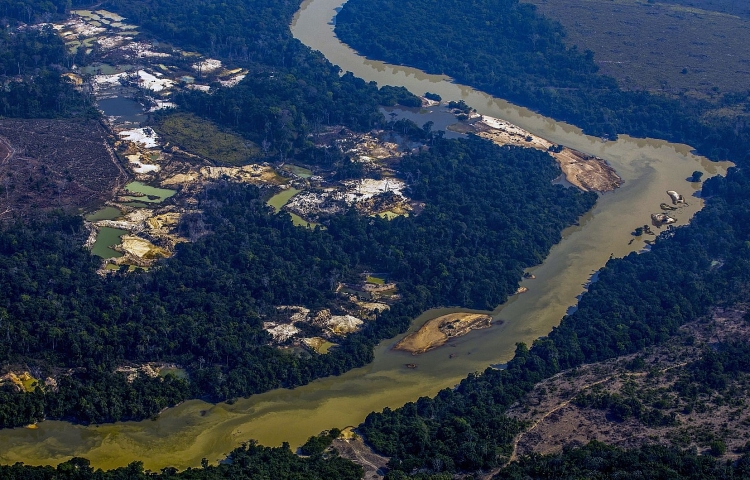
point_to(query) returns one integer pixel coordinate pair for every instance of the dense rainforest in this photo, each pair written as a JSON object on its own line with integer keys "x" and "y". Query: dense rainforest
{"x": 31, "y": 63}
{"x": 203, "y": 308}
{"x": 56, "y": 312}
{"x": 505, "y": 48}
{"x": 638, "y": 301}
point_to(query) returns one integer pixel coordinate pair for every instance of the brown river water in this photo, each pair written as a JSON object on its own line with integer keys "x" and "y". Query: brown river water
{"x": 183, "y": 435}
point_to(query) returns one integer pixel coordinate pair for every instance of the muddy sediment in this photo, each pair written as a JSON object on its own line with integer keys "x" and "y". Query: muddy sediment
{"x": 438, "y": 331}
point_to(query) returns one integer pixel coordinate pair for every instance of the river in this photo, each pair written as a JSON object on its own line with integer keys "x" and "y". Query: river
{"x": 183, "y": 435}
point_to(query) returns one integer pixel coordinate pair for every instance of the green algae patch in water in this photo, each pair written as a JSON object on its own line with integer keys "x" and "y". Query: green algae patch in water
{"x": 281, "y": 199}
{"x": 106, "y": 213}
{"x": 150, "y": 194}
{"x": 299, "y": 171}
{"x": 107, "y": 238}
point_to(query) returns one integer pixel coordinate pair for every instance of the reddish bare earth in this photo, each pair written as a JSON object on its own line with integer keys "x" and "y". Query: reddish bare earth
{"x": 51, "y": 164}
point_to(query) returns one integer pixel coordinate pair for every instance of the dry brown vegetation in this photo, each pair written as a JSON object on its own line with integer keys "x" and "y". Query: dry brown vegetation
{"x": 555, "y": 419}
{"x": 49, "y": 164}
{"x": 658, "y": 46}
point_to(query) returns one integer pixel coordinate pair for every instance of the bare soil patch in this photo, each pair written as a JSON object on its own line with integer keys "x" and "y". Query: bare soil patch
{"x": 353, "y": 447}
{"x": 438, "y": 331}
{"x": 50, "y": 164}
{"x": 586, "y": 171}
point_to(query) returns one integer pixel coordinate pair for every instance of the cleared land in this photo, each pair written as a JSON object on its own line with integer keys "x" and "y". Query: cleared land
{"x": 353, "y": 447}
{"x": 650, "y": 379}
{"x": 439, "y": 330}
{"x": 659, "y": 46}
{"x": 50, "y": 164}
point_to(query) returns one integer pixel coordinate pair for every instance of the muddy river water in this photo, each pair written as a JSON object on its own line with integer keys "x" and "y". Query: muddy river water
{"x": 183, "y": 435}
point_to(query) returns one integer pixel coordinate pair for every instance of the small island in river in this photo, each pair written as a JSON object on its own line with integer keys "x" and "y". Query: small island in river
{"x": 438, "y": 331}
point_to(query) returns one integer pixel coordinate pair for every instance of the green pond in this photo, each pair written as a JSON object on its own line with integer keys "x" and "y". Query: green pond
{"x": 107, "y": 237}
{"x": 147, "y": 190}
{"x": 281, "y": 199}
{"x": 106, "y": 213}
{"x": 177, "y": 372}
{"x": 105, "y": 69}
{"x": 301, "y": 172}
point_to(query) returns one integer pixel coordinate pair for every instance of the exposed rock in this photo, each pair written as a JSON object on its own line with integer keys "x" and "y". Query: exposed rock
{"x": 344, "y": 324}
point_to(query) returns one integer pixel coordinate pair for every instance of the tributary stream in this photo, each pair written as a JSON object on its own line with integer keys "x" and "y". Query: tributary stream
{"x": 183, "y": 435}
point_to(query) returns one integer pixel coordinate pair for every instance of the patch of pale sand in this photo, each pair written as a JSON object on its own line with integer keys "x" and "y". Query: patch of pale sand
{"x": 142, "y": 136}
{"x": 140, "y": 247}
{"x": 343, "y": 324}
{"x": 154, "y": 83}
{"x": 207, "y": 65}
{"x": 437, "y": 331}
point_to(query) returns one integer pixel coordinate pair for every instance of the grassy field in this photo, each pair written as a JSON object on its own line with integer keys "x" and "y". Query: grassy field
{"x": 202, "y": 137}
{"x": 671, "y": 48}
{"x": 741, "y": 8}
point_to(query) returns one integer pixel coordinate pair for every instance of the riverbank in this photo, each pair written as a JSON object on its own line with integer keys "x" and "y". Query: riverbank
{"x": 587, "y": 172}
{"x": 184, "y": 435}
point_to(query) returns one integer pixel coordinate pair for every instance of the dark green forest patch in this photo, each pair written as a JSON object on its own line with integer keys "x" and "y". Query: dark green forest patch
{"x": 204, "y": 307}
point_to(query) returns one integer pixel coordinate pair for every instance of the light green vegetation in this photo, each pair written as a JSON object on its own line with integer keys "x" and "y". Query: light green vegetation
{"x": 389, "y": 215}
{"x": 204, "y": 138}
{"x": 177, "y": 372}
{"x": 299, "y": 171}
{"x": 107, "y": 238}
{"x": 161, "y": 194}
{"x": 106, "y": 213}
{"x": 375, "y": 280}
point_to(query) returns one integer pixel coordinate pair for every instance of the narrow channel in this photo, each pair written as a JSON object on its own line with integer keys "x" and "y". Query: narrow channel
{"x": 183, "y": 435}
